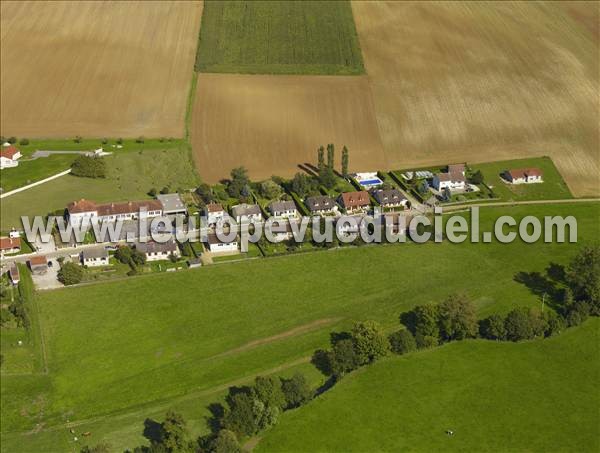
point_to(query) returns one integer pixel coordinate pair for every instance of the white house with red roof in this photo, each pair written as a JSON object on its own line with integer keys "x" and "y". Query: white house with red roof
{"x": 9, "y": 156}
{"x": 524, "y": 175}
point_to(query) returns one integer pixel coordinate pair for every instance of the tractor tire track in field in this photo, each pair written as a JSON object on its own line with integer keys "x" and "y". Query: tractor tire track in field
{"x": 162, "y": 405}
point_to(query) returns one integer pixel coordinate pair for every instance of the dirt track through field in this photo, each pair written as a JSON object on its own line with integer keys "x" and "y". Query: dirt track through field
{"x": 272, "y": 124}
{"x": 480, "y": 81}
{"x": 96, "y": 69}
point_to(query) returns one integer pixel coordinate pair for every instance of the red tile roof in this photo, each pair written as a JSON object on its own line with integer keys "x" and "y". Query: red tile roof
{"x": 356, "y": 199}
{"x": 10, "y": 243}
{"x": 38, "y": 260}
{"x": 214, "y": 207}
{"x": 524, "y": 172}
{"x": 82, "y": 205}
{"x": 128, "y": 207}
{"x": 9, "y": 152}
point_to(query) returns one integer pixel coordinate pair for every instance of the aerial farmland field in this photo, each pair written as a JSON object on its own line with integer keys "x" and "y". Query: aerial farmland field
{"x": 287, "y": 37}
{"x": 480, "y": 81}
{"x": 96, "y": 69}
{"x": 275, "y": 123}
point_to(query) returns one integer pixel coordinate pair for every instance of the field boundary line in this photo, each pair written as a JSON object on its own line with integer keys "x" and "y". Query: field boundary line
{"x": 164, "y": 404}
{"x": 37, "y": 183}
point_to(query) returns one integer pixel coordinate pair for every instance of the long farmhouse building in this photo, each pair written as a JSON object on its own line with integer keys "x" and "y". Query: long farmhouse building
{"x": 86, "y": 210}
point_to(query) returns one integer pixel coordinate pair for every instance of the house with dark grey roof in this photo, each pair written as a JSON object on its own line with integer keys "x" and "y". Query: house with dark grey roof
{"x": 283, "y": 209}
{"x": 320, "y": 204}
{"x": 156, "y": 251}
{"x": 245, "y": 213}
{"x": 390, "y": 198}
{"x": 216, "y": 245}
{"x": 95, "y": 256}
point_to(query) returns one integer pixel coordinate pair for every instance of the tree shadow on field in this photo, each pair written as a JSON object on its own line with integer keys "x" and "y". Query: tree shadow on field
{"x": 309, "y": 168}
{"x": 409, "y": 320}
{"x": 217, "y": 412}
{"x": 540, "y": 285}
{"x": 556, "y": 272}
{"x": 335, "y": 337}
{"x": 152, "y": 430}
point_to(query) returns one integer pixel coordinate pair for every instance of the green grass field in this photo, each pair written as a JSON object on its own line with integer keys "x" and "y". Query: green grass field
{"x": 124, "y": 350}
{"x": 30, "y": 171}
{"x": 536, "y": 396}
{"x": 553, "y": 187}
{"x": 131, "y": 174}
{"x": 279, "y": 37}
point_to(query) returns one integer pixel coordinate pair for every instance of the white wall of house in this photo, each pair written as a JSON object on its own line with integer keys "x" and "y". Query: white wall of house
{"x": 288, "y": 214}
{"x": 221, "y": 247}
{"x": 452, "y": 185}
{"x": 158, "y": 256}
{"x": 78, "y": 218}
{"x": 94, "y": 262}
{"x": 5, "y": 162}
{"x": 214, "y": 217}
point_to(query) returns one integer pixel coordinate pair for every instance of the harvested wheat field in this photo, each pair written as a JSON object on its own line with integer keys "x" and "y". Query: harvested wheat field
{"x": 96, "y": 69}
{"x": 272, "y": 124}
{"x": 469, "y": 81}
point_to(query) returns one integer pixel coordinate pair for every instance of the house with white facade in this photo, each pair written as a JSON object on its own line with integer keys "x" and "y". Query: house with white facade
{"x": 9, "y": 156}
{"x": 246, "y": 213}
{"x": 321, "y": 205}
{"x": 214, "y": 212}
{"x": 452, "y": 181}
{"x": 283, "y": 209}
{"x": 85, "y": 210}
{"x": 353, "y": 202}
{"x": 93, "y": 257}
{"x": 157, "y": 251}
{"x": 281, "y": 230}
{"x": 391, "y": 198}
{"x": 524, "y": 176}
{"x": 215, "y": 245}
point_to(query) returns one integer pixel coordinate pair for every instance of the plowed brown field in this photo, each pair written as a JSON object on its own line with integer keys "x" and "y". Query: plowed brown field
{"x": 471, "y": 81}
{"x": 272, "y": 124}
{"x": 96, "y": 69}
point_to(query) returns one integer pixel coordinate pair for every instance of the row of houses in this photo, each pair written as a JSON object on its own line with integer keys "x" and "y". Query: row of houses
{"x": 153, "y": 251}
{"x": 455, "y": 177}
{"x": 350, "y": 202}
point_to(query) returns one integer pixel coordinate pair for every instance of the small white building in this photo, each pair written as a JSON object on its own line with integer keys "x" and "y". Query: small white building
{"x": 452, "y": 181}
{"x": 95, "y": 256}
{"x": 215, "y": 245}
{"x": 214, "y": 212}
{"x": 9, "y": 156}
{"x": 283, "y": 209}
{"x": 158, "y": 251}
{"x": 524, "y": 176}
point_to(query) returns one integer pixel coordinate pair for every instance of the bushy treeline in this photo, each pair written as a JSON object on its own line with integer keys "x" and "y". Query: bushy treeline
{"x": 89, "y": 167}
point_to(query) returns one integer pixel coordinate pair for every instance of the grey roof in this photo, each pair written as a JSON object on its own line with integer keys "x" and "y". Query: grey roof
{"x": 214, "y": 239}
{"x": 154, "y": 247}
{"x": 278, "y": 206}
{"x": 390, "y": 196}
{"x": 171, "y": 202}
{"x": 245, "y": 209}
{"x": 95, "y": 252}
{"x": 320, "y": 203}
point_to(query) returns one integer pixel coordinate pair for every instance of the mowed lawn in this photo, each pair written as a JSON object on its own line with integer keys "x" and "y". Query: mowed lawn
{"x": 130, "y": 175}
{"x": 536, "y": 396}
{"x": 122, "y": 347}
{"x": 34, "y": 170}
{"x": 279, "y": 37}
{"x": 553, "y": 187}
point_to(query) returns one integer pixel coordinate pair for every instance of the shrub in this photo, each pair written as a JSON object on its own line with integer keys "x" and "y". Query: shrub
{"x": 89, "y": 167}
{"x": 152, "y": 192}
{"x": 224, "y": 442}
{"x": 518, "y": 325}
{"x": 370, "y": 342}
{"x": 402, "y": 342}
{"x": 296, "y": 391}
{"x": 140, "y": 139}
{"x": 77, "y": 139}
{"x": 70, "y": 274}
{"x": 457, "y": 318}
{"x": 24, "y": 142}
{"x": 493, "y": 327}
